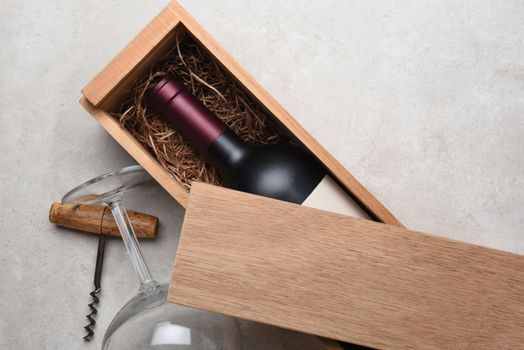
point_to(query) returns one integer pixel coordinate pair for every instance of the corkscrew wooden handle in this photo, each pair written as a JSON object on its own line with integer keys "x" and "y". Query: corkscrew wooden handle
{"x": 99, "y": 220}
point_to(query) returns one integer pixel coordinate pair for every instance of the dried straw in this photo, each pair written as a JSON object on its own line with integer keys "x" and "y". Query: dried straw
{"x": 213, "y": 86}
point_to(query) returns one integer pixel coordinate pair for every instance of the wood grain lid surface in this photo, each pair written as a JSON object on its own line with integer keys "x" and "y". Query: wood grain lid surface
{"x": 349, "y": 279}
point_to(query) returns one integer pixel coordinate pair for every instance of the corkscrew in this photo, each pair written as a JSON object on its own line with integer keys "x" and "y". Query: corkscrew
{"x": 98, "y": 288}
{"x": 98, "y": 219}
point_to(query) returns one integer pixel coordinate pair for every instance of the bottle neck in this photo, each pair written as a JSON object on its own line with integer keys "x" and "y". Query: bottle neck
{"x": 226, "y": 152}
{"x": 194, "y": 121}
{"x": 170, "y": 99}
{"x": 198, "y": 125}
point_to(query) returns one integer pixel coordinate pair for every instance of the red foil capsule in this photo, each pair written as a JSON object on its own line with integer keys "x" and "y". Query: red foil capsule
{"x": 170, "y": 99}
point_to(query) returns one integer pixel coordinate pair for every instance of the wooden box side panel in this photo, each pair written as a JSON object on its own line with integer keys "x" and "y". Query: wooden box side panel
{"x": 363, "y": 196}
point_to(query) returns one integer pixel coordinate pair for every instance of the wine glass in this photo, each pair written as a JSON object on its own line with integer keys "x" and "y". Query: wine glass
{"x": 148, "y": 321}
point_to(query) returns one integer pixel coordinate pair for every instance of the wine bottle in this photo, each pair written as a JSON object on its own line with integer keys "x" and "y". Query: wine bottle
{"x": 281, "y": 171}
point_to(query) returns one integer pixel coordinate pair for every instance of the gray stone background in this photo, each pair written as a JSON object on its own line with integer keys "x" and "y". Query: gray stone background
{"x": 422, "y": 100}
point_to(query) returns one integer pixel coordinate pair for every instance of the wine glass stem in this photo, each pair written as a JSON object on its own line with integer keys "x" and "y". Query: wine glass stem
{"x": 147, "y": 283}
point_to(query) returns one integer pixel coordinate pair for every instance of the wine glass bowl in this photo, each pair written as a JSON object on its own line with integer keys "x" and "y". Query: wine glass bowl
{"x": 150, "y": 322}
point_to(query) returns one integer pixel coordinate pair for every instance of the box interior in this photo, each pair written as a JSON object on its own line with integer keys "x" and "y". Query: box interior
{"x": 183, "y": 56}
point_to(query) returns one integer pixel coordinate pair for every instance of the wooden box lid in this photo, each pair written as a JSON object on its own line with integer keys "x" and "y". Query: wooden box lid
{"x": 349, "y": 279}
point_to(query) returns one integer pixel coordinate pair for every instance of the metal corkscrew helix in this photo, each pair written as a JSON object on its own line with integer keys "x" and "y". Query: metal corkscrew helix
{"x": 98, "y": 288}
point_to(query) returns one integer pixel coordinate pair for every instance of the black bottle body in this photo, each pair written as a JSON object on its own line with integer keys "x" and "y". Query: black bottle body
{"x": 281, "y": 171}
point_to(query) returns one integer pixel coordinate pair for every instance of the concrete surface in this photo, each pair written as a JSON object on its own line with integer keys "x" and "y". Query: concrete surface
{"x": 423, "y": 101}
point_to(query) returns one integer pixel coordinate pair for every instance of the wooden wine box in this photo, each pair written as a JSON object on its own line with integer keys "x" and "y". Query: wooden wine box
{"x": 105, "y": 93}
